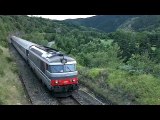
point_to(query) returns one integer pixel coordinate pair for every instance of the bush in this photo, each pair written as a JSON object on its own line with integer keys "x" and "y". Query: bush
{"x": 138, "y": 89}
{"x": 94, "y": 73}
{"x": 1, "y": 71}
{"x": 1, "y": 102}
{"x": 82, "y": 70}
{"x": 9, "y": 59}
{"x": 4, "y": 43}
{"x": 126, "y": 68}
{"x": 141, "y": 63}
{"x": 1, "y": 51}
{"x": 14, "y": 68}
{"x": 130, "y": 69}
{"x": 105, "y": 58}
{"x": 156, "y": 70}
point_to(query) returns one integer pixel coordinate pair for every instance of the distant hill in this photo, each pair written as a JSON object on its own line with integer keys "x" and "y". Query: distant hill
{"x": 110, "y": 23}
{"x": 107, "y": 23}
{"x": 141, "y": 23}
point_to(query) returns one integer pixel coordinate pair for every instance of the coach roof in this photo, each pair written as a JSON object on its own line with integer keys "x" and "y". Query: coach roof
{"x": 24, "y": 43}
{"x": 50, "y": 56}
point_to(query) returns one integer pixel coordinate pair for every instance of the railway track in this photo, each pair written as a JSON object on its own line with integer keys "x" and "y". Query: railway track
{"x": 92, "y": 97}
{"x": 37, "y": 94}
{"x": 100, "y": 99}
{"x": 86, "y": 98}
{"x": 68, "y": 101}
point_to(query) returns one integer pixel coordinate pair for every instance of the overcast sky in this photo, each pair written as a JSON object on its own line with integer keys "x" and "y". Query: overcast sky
{"x": 63, "y": 17}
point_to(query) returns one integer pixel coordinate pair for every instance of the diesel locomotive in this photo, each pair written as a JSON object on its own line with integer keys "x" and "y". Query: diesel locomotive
{"x": 55, "y": 69}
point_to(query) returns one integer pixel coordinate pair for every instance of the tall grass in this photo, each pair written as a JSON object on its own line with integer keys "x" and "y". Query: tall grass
{"x": 11, "y": 91}
{"x": 121, "y": 87}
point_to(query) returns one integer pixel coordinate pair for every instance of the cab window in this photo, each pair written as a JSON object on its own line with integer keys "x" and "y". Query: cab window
{"x": 56, "y": 68}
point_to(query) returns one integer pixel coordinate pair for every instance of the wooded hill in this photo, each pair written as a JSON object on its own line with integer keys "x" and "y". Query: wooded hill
{"x": 122, "y": 65}
{"x": 110, "y": 23}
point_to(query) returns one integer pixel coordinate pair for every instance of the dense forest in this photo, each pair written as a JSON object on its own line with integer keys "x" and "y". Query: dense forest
{"x": 111, "y": 23}
{"x": 107, "y": 23}
{"x": 121, "y": 64}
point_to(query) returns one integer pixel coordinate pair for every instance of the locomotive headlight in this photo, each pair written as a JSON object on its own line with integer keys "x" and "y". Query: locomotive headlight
{"x": 73, "y": 80}
{"x": 56, "y": 81}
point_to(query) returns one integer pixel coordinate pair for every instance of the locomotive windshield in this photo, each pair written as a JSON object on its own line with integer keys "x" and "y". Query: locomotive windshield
{"x": 62, "y": 68}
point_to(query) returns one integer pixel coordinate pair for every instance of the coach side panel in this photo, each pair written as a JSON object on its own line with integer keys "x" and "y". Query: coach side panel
{"x": 39, "y": 68}
{"x": 19, "y": 48}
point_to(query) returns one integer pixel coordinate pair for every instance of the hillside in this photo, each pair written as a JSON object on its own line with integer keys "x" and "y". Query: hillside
{"x": 107, "y": 23}
{"x": 11, "y": 90}
{"x": 122, "y": 66}
{"x": 110, "y": 23}
{"x": 142, "y": 23}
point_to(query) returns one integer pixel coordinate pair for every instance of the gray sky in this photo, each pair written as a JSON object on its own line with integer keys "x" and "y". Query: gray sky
{"x": 62, "y": 17}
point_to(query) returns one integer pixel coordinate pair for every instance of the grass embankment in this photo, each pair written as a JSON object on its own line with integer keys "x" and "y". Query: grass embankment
{"x": 11, "y": 90}
{"x": 121, "y": 87}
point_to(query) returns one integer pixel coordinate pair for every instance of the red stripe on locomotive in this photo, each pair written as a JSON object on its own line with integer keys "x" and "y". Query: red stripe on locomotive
{"x": 65, "y": 81}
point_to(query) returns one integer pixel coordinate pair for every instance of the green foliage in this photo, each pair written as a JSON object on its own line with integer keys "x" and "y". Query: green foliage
{"x": 11, "y": 90}
{"x": 1, "y": 51}
{"x": 142, "y": 63}
{"x": 120, "y": 87}
{"x": 157, "y": 55}
{"x": 94, "y": 73}
{"x": 14, "y": 68}
{"x": 146, "y": 22}
{"x": 9, "y": 59}
{"x": 50, "y": 36}
{"x": 122, "y": 66}
{"x": 107, "y": 23}
{"x": 110, "y": 23}
{"x": 1, "y": 72}
{"x": 156, "y": 70}
{"x": 127, "y": 42}
{"x": 136, "y": 43}
{"x": 130, "y": 69}
{"x": 140, "y": 89}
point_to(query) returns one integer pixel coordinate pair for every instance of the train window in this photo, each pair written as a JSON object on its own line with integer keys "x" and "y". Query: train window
{"x": 56, "y": 68}
{"x": 69, "y": 68}
{"x": 35, "y": 60}
{"x": 42, "y": 66}
{"x": 38, "y": 62}
{"x": 62, "y": 68}
{"x": 46, "y": 66}
{"x": 27, "y": 52}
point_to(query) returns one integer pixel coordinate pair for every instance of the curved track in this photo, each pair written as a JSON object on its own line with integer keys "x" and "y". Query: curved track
{"x": 38, "y": 94}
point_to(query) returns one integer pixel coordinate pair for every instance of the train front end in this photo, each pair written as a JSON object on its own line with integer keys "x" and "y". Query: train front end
{"x": 63, "y": 74}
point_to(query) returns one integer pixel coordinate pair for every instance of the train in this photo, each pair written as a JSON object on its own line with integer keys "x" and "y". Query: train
{"x": 56, "y": 70}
